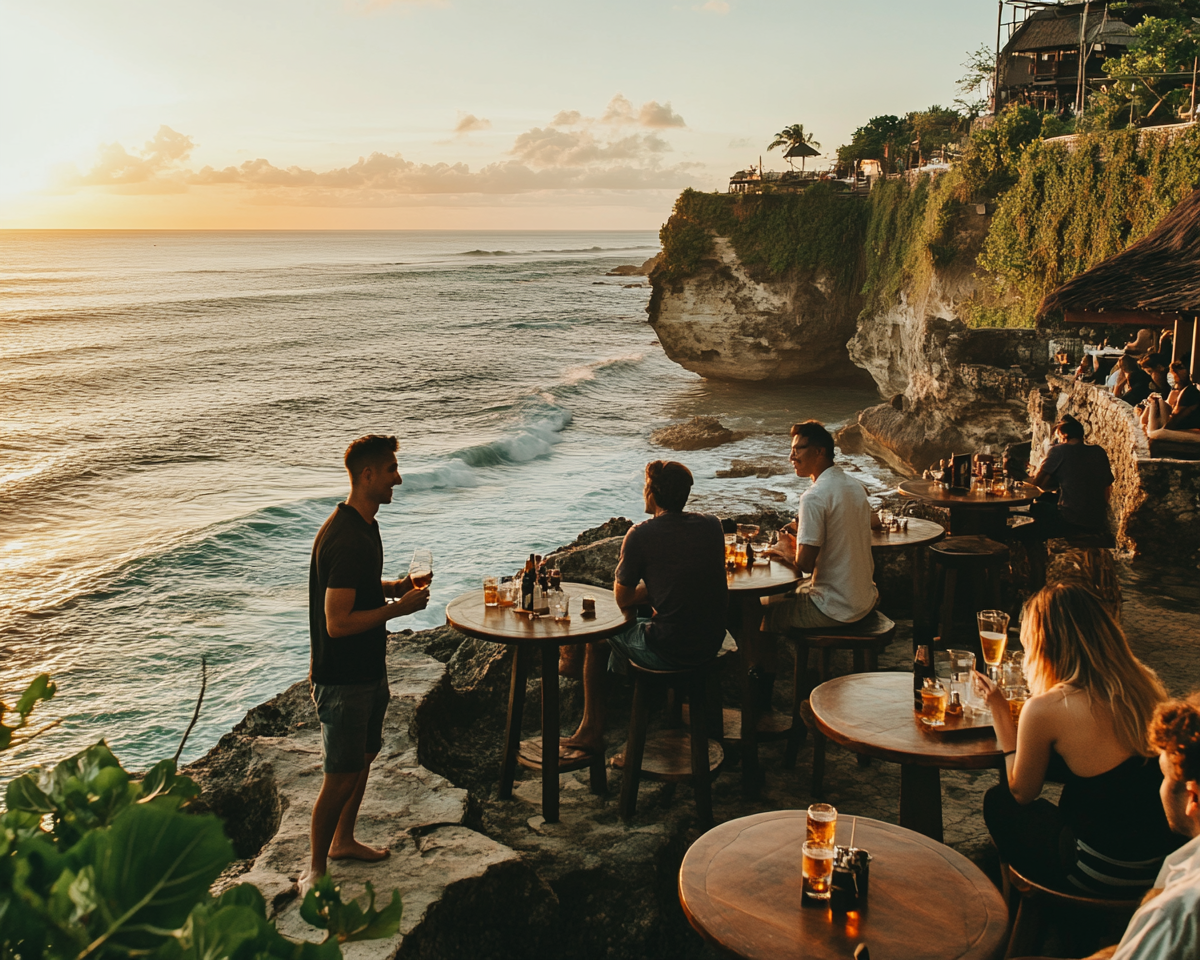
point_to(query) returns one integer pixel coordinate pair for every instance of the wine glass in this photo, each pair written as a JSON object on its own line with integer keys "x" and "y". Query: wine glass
{"x": 420, "y": 570}
{"x": 993, "y": 638}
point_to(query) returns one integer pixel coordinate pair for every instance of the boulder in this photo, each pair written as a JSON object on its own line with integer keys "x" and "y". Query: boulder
{"x": 592, "y": 563}
{"x": 699, "y": 433}
{"x": 761, "y": 467}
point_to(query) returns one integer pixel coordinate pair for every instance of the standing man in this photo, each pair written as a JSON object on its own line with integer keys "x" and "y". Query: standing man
{"x": 348, "y": 611}
{"x": 675, "y": 562}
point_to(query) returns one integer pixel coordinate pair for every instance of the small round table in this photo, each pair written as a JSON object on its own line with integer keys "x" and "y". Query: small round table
{"x": 975, "y": 511}
{"x": 468, "y": 615}
{"x": 746, "y": 586}
{"x": 919, "y": 535}
{"x": 872, "y": 714}
{"x": 740, "y": 887}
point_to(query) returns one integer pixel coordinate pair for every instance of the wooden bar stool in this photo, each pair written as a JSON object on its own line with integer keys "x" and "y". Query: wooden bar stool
{"x": 981, "y": 562}
{"x": 1034, "y": 901}
{"x": 670, "y": 757}
{"x": 865, "y": 639}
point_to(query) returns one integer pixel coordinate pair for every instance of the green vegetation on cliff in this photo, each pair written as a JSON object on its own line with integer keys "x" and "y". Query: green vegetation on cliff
{"x": 774, "y": 235}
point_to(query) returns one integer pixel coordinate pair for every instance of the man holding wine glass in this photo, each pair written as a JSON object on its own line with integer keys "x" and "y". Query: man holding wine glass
{"x": 349, "y": 606}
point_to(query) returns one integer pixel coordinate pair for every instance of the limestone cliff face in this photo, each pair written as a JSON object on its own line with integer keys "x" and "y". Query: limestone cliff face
{"x": 724, "y": 324}
{"x": 951, "y": 387}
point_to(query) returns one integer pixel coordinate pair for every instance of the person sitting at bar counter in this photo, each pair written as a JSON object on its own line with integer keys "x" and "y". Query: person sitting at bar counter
{"x": 1085, "y": 725}
{"x": 1178, "y": 379}
{"x": 1133, "y": 384}
{"x": 1082, "y": 475}
{"x": 675, "y": 562}
{"x": 1156, "y": 365}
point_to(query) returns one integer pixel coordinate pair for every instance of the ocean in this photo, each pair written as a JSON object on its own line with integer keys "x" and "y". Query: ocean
{"x": 175, "y": 409}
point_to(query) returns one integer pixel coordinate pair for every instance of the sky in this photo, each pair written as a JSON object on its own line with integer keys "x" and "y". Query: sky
{"x": 438, "y": 114}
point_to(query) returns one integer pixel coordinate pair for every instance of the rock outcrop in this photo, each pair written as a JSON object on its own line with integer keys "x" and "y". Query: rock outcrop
{"x": 699, "y": 433}
{"x": 724, "y": 324}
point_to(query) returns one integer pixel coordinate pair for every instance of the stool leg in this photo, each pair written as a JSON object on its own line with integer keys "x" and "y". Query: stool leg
{"x": 512, "y": 727}
{"x": 712, "y": 704}
{"x": 947, "y": 624}
{"x": 635, "y": 747}
{"x": 1023, "y": 940}
{"x": 698, "y": 739}
{"x": 873, "y": 660}
{"x": 798, "y": 731}
{"x": 802, "y": 669}
{"x": 818, "y": 771}
{"x": 826, "y": 663}
{"x": 860, "y": 660}
{"x": 550, "y": 732}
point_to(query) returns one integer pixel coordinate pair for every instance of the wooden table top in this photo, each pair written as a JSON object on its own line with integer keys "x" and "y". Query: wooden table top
{"x": 932, "y": 492}
{"x": 762, "y": 578}
{"x": 740, "y": 887}
{"x": 872, "y": 713}
{"x": 919, "y": 533}
{"x": 468, "y": 615}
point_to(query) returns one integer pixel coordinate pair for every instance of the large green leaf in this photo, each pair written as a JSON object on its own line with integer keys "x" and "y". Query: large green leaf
{"x": 24, "y": 794}
{"x": 162, "y": 780}
{"x": 151, "y": 867}
{"x": 40, "y": 689}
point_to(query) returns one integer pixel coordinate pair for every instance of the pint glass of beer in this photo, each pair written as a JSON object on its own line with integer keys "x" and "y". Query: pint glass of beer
{"x": 822, "y": 824}
{"x": 818, "y": 870}
{"x": 993, "y": 638}
{"x": 491, "y": 592}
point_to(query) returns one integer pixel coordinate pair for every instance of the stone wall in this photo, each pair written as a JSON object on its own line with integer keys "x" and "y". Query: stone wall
{"x": 1155, "y": 502}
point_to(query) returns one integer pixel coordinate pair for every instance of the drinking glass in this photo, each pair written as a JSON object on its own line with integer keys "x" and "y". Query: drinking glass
{"x": 421, "y": 568}
{"x": 491, "y": 592}
{"x": 885, "y": 518}
{"x": 956, "y": 668}
{"x": 933, "y": 703}
{"x": 822, "y": 824}
{"x": 507, "y": 592}
{"x": 730, "y": 552}
{"x": 993, "y": 638}
{"x": 1016, "y": 697}
{"x": 747, "y": 531}
{"x": 555, "y": 576}
{"x": 560, "y": 605}
{"x": 817, "y": 866}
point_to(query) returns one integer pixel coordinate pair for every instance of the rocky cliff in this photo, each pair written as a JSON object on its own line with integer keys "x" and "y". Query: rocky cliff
{"x": 724, "y": 324}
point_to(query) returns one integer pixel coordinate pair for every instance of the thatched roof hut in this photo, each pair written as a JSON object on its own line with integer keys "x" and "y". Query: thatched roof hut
{"x": 1153, "y": 282}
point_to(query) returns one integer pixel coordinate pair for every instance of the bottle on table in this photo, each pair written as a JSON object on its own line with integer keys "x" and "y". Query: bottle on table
{"x": 528, "y": 579}
{"x": 922, "y": 671}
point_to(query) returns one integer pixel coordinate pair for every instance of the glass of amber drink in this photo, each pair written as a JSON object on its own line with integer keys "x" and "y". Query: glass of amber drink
{"x": 491, "y": 592}
{"x": 993, "y": 638}
{"x": 421, "y": 568}
{"x": 933, "y": 703}
{"x": 822, "y": 823}
{"x": 817, "y": 867}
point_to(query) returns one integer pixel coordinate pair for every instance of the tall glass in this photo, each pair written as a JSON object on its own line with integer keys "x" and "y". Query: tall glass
{"x": 993, "y": 638}
{"x": 822, "y": 824}
{"x": 421, "y": 568}
{"x": 491, "y": 592}
{"x": 817, "y": 867}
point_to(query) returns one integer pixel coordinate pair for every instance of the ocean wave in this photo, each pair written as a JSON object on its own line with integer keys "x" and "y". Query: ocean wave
{"x": 588, "y": 371}
{"x": 445, "y": 476}
{"x": 517, "y": 253}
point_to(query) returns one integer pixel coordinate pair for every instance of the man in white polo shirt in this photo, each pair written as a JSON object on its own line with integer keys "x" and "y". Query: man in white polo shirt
{"x": 832, "y": 542}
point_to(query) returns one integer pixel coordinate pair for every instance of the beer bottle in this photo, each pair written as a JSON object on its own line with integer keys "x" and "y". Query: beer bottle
{"x": 528, "y": 578}
{"x": 922, "y": 669}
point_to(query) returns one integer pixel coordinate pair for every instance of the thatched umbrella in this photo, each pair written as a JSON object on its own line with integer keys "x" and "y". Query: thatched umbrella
{"x": 801, "y": 150}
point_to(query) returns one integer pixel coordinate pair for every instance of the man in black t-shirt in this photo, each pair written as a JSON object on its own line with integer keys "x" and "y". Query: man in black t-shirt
{"x": 348, "y": 611}
{"x": 675, "y": 562}
{"x": 1083, "y": 477}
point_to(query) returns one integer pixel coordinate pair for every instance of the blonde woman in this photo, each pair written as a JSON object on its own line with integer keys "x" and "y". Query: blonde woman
{"x": 1085, "y": 724}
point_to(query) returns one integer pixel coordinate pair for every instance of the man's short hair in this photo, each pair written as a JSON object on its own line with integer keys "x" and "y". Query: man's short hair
{"x": 369, "y": 451}
{"x": 817, "y": 436}
{"x": 1175, "y": 730}
{"x": 1070, "y": 428}
{"x": 670, "y": 482}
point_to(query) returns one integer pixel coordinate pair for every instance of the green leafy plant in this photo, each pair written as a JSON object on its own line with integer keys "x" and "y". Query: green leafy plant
{"x": 96, "y": 863}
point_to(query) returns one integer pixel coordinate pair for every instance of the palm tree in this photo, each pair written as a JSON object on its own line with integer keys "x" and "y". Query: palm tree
{"x": 793, "y": 136}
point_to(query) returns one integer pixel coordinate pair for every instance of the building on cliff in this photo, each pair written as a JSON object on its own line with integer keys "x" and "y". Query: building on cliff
{"x": 1040, "y": 63}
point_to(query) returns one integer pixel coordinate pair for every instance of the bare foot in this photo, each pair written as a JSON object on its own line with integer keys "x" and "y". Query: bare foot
{"x": 578, "y": 748}
{"x": 358, "y": 851}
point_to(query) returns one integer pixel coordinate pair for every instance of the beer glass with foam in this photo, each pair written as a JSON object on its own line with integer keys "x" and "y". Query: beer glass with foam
{"x": 993, "y": 638}
{"x": 817, "y": 867}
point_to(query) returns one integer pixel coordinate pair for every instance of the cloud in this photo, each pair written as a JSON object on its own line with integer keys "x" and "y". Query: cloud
{"x": 469, "y": 123}
{"x": 719, "y": 7}
{"x": 741, "y": 143}
{"x": 541, "y": 159}
{"x": 620, "y": 112}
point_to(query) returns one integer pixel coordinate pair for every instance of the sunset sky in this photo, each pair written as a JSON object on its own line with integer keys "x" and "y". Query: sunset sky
{"x": 458, "y": 114}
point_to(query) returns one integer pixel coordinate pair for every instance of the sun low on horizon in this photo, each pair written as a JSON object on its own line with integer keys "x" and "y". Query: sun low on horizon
{"x": 437, "y": 114}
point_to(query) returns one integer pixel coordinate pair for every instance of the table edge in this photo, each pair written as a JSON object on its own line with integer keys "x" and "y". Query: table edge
{"x": 537, "y": 641}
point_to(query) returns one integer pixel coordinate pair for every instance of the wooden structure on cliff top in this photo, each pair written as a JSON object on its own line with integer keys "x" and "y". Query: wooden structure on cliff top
{"x": 1154, "y": 282}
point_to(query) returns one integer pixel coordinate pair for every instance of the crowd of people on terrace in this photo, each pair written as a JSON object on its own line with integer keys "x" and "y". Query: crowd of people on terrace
{"x": 1159, "y": 389}
{"x": 1098, "y": 720}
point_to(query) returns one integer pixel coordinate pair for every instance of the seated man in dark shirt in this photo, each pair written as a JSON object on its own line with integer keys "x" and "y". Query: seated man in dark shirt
{"x": 1082, "y": 475}
{"x": 675, "y": 562}
{"x": 1135, "y": 384}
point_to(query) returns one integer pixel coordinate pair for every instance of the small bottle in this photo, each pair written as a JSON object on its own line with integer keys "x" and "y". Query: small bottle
{"x": 954, "y": 708}
{"x": 922, "y": 670}
{"x": 528, "y": 579}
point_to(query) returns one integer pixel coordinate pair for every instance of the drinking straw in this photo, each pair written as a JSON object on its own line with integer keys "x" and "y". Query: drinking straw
{"x": 853, "y": 827}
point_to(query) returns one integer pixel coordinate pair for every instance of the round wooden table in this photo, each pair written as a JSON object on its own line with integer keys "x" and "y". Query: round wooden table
{"x": 740, "y": 887}
{"x": 468, "y": 615}
{"x": 919, "y": 535}
{"x": 872, "y": 714}
{"x": 973, "y": 512}
{"x": 746, "y": 586}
